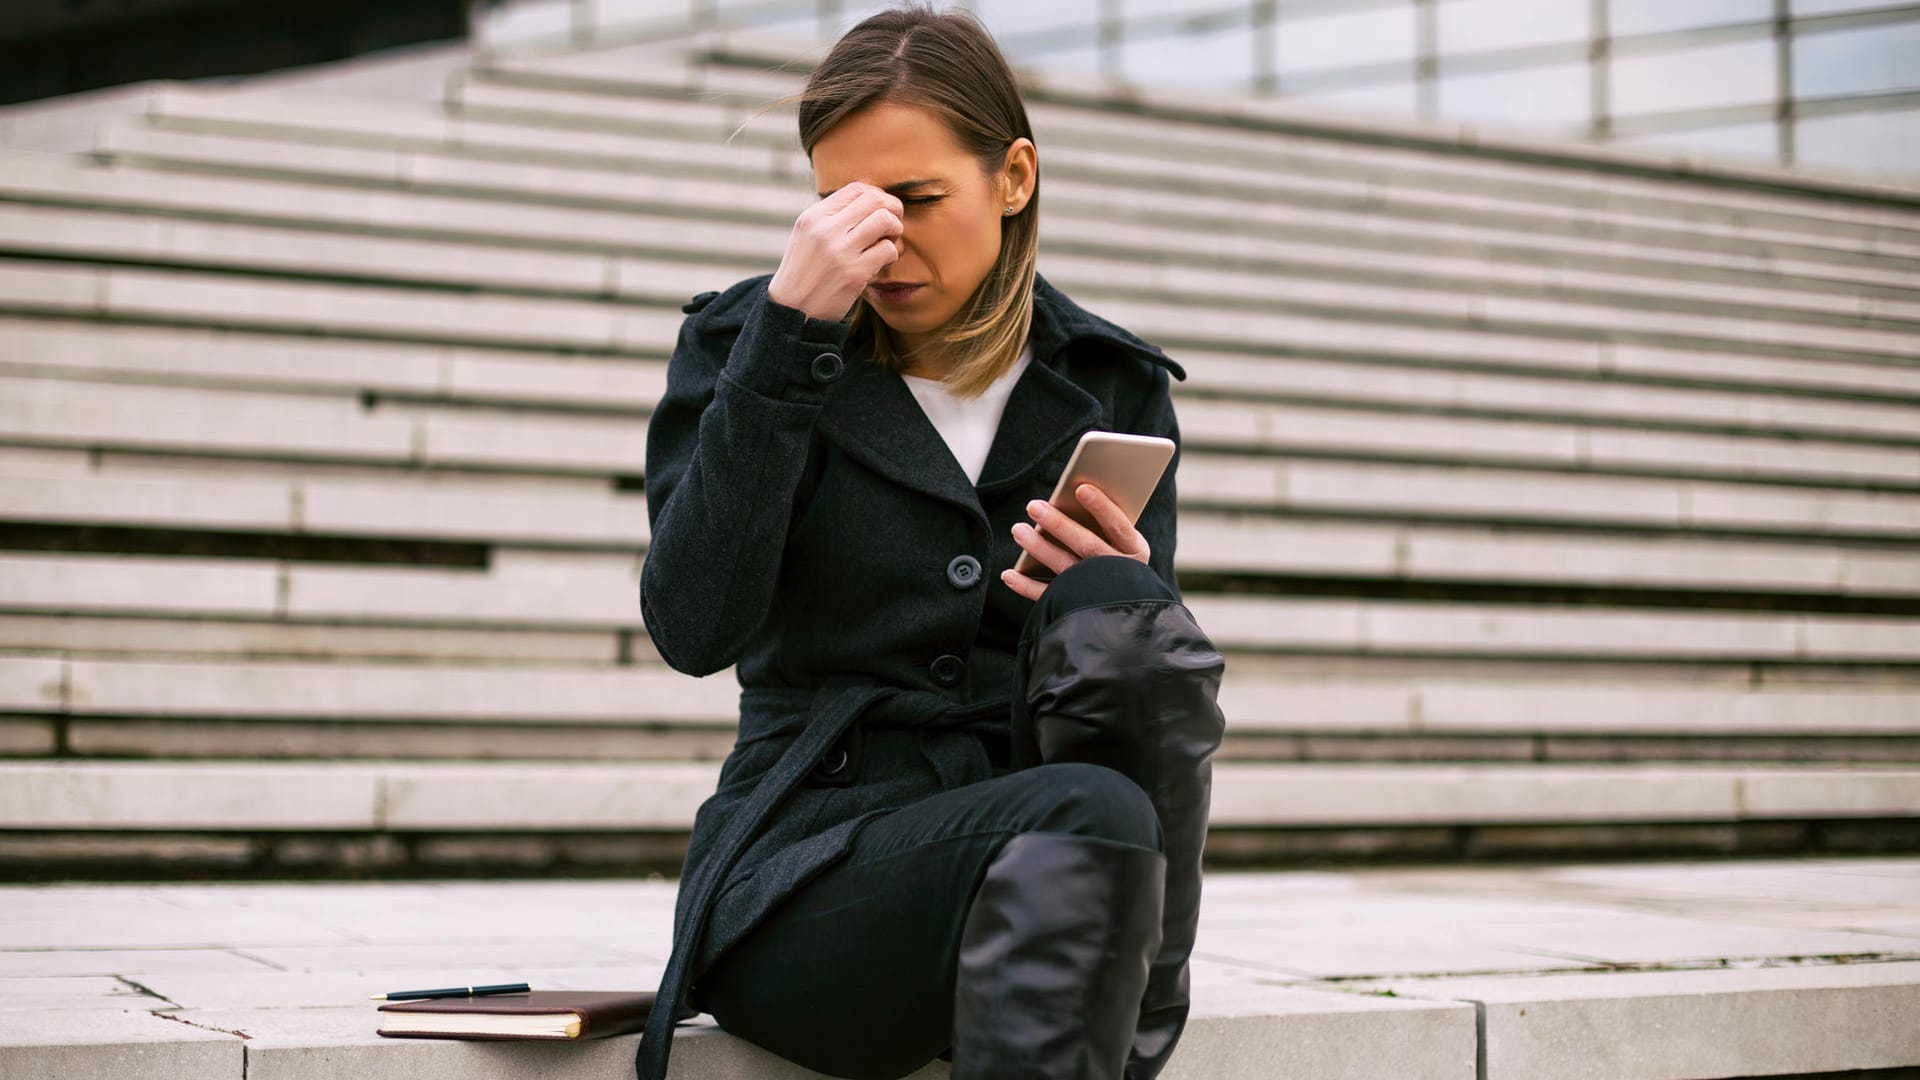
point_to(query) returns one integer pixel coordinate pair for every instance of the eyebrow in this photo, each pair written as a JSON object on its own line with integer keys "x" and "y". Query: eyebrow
{"x": 900, "y": 188}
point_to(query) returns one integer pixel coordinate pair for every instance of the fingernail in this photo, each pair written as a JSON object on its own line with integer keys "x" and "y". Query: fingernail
{"x": 1035, "y": 507}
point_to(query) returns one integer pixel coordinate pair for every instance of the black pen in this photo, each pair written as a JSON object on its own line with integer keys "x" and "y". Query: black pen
{"x": 455, "y": 991}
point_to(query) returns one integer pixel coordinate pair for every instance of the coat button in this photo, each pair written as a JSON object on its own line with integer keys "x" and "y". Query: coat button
{"x": 948, "y": 669}
{"x": 827, "y": 367}
{"x": 834, "y": 762}
{"x": 963, "y": 572}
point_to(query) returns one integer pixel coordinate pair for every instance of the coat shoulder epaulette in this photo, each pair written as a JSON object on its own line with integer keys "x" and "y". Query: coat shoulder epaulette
{"x": 726, "y": 309}
{"x": 1126, "y": 342}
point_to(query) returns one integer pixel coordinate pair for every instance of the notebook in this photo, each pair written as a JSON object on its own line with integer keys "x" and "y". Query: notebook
{"x": 536, "y": 1014}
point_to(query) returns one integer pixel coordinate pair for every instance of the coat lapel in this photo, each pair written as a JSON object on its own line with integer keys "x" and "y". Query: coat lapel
{"x": 1044, "y": 411}
{"x": 872, "y": 415}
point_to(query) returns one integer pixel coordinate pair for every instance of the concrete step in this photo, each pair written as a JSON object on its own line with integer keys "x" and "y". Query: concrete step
{"x": 1403, "y": 491}
{"x": 132, "y": 353}
{"x": 56, "y": 413}
{"x": 1493, "y": 149}
{"x": 289, "y": 305}
{"x": 165, "y": 637}
{"x": 247, "y": 739}
{"x": 1076, "y": 227}
{"x": 521, "y": 322}
{"x": 346, "y": 499}
{"x": 65, "y": 233}
{"x": 1483, "y": 393}
{"x": 1891, "y": 232}
{"x": 46, "y": 182}
{"x": 203, "y": 637}
{"x": 731, "y": 91}
{"x": 1465, "y": 629}
{"x": 510, "y": 510}
{"x": 507, "y": 514}
{"x": 1361, "y": 974}
{"x": 1406, "y": 195}
{"x": 604, "y": 694}
{"x": 472, "y": 510}
{"x": 1251, "y": 226}
{"x": 1333, "y": 432}
{"x": 518, "y": 797}
{"x": 527, "y": 590}
{"x": 1696, "y": 335}
{"x": 1428, "y": 149}
{"x": 424, "y": 129}
{"x": 1213, "y": 293}
{"x": 1259, "y": 698}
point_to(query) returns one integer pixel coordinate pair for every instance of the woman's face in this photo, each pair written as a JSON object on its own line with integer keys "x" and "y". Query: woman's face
{"x": 954, "y": 210}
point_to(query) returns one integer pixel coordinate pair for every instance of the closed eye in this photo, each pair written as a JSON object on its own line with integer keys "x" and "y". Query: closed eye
{"x": 921, "y": 200}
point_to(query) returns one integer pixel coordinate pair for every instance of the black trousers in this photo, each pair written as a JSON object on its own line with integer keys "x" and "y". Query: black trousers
{"x": 853, "y": 975}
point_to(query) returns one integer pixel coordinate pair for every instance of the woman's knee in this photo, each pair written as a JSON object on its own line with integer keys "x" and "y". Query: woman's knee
{"x": 1107, "y": 579}
{"x": 1093, "y": 800}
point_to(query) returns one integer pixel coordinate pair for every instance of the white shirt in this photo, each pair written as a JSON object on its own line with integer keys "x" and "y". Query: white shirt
{"x": 968, "y": 424}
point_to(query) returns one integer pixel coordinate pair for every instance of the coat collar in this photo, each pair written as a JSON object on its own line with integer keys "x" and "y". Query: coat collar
{"x": 871, "y": 414}
{"x": 1057, "y": 320}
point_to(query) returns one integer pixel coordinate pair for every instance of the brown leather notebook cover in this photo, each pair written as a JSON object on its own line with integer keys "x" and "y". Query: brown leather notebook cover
{"x": 536, "y": 1014}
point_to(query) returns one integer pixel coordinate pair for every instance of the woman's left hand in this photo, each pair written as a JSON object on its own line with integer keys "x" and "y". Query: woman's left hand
{"x": 1066, "y": 541}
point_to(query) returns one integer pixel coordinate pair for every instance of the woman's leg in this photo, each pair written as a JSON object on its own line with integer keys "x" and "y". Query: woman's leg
{"x": 855, "y": 974}
{"x": 1113, "y": 670}
{"x": 1054, "y": 958}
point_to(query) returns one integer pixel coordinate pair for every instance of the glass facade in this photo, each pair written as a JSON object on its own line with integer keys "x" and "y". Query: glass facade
{"x": 1821, "y": 82}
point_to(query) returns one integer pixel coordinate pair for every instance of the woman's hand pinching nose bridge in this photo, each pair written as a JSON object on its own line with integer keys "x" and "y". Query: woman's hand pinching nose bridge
{"x": 1060, "y": 541}
{"x": 837, "y": 247}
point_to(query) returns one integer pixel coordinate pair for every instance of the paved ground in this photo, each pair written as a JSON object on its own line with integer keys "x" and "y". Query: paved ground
{"x": 1674, "y": 969}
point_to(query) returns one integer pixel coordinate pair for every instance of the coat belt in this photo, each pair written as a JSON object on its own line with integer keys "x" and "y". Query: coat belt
{"x": 816, "y": 720}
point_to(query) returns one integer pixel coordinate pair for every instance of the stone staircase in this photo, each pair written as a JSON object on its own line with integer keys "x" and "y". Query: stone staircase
{"x": 1547, "y": 499}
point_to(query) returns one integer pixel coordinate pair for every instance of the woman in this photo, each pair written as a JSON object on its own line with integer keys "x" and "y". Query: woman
{"x": 964, "y": 813}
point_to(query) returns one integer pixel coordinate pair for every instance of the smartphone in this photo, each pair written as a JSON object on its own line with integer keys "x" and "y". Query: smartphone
{"x": 1126, "y": 467}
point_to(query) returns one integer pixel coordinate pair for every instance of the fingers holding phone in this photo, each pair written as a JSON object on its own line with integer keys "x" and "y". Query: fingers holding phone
{"x": 837, "y": 246}
{"x": 1117, "y": 535}
{"x": 1092, "y": 511}
{"x": 1060, "y": 541}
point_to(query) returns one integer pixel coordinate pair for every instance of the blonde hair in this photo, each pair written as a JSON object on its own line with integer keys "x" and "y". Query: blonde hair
{"x": 949, "y": 64}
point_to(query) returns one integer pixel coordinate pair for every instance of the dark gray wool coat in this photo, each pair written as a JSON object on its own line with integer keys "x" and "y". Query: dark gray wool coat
{"x": 810, "y": 527}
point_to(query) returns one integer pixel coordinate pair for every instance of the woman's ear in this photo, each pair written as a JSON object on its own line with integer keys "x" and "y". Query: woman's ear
{"x": 1017, "y": 177}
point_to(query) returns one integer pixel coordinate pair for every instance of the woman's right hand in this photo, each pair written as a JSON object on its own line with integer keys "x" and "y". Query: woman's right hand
{"x": 838, "y": 245}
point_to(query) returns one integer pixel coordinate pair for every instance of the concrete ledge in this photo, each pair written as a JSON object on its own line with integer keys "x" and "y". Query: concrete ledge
{"x": 108, "y": 1044}
{"x": 1658, "y": 971}
{"x": 1689, "y": 1024}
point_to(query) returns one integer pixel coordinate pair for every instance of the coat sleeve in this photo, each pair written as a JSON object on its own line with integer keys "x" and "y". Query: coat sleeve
{"x": 1158, "y": 521}
{"x": 725, "y": 450}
